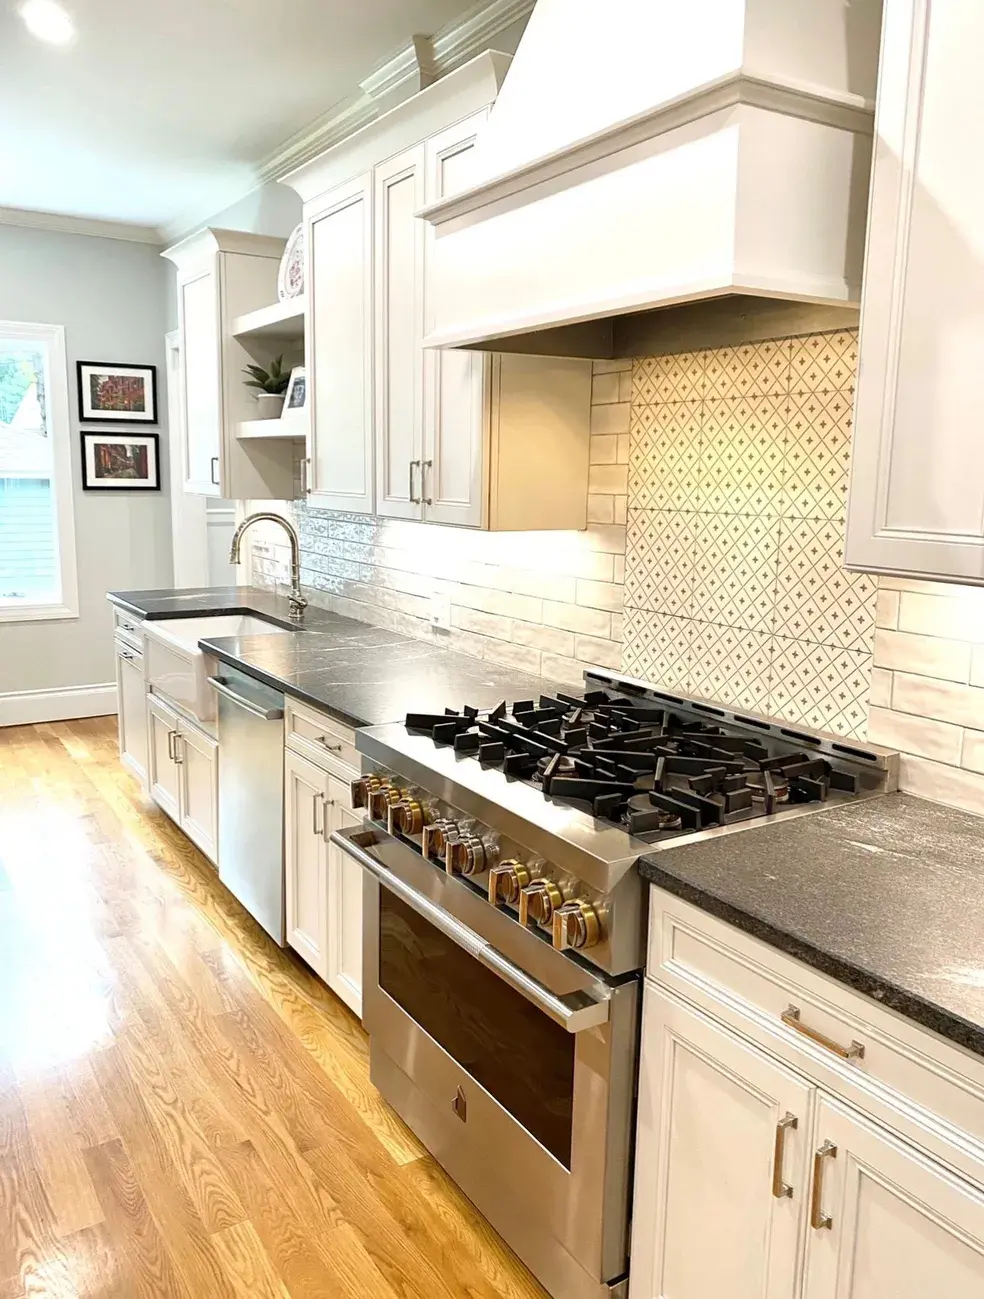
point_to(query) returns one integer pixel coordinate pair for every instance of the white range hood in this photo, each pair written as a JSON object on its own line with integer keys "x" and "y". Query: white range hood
{"x": 657, "y": 174}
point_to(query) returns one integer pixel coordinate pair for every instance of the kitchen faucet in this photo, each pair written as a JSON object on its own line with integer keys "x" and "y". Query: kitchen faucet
{"x": 297, "y": 602}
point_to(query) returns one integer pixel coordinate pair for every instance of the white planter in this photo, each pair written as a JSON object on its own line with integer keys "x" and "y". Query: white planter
{"x": 269, "y": 405}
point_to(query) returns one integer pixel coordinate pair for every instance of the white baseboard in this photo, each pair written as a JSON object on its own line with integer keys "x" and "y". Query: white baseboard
{"x": 57, "y": 705}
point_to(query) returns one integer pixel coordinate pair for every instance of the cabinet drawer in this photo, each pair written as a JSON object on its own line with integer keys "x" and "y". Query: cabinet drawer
{"x": 128, "y": 628}
{"x": 321, "y": 739}
{"x": 846, "y": 1041}
{"x": 127, "y": 649}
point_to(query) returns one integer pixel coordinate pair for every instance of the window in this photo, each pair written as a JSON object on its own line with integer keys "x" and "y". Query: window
{"x": 37, "y": 530}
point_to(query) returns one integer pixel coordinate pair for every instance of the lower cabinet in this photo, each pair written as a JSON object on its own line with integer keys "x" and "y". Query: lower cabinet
{"x": 323, "y": 886}
{"x": 183, "y": 774}
{"x": 752, "y": 1180}
{"x": 131, "y": 710}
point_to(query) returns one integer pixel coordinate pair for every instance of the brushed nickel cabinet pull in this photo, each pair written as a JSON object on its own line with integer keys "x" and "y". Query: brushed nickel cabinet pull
{"x": 214, "y": 464}
{"x": 332, "y": 748}
{"x": 170, "y": 745}
{"x": 414, "y": 500}
{"x": 819, "y": 1220}
{"x": 424, "y": 466}
{"x": 780, "y": 1189}
{"x": 315, "y": 828}
{"x": 178, "y": 758}
{"x": 791, "y": 1018}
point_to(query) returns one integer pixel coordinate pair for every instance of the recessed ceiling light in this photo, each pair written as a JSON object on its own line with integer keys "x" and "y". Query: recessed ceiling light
{"x": 48, "y": 21}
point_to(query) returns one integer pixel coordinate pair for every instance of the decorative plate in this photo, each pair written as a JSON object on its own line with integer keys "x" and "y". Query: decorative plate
{"x": 290, "y": 277}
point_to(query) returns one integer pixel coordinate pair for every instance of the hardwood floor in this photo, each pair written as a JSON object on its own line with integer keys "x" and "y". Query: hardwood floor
{"x": 185, "y": 1111}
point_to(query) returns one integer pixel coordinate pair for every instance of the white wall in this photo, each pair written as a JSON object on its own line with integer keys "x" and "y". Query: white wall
{"x": 110, "y": 296}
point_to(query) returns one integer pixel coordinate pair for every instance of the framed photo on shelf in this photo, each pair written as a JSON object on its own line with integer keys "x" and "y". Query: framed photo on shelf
{"x": 120, "y": 461}
{"x": 124, "y": 393}
{"x": 294, "y": 414}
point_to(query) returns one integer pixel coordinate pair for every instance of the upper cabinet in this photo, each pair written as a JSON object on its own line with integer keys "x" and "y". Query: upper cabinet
{"x": 917, "y": 491}
{"x": 446, "y": 437}
{"x": 221, "y": 276}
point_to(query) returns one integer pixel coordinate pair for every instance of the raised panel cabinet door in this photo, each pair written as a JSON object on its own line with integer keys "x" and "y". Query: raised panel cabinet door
{"x": 344, "y": 907}
{"x": 198, "y": 305}
{"x": 398, "y": 354}
{"x": 197, "y": 757}
{"x": 162, "y": 773}
{"x": 306, "y": 828}
{"x": 916, "y": 503}
{"x": 338, "y": 347}
{"x": 887, "y": 1221}
{"x": 721, "y": 1162}
{"x": 455, "y": 443}
{"x": 131, "y": 707}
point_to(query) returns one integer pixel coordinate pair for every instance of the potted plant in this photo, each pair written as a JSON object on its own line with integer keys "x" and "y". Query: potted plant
{"x": 270, "y": 387}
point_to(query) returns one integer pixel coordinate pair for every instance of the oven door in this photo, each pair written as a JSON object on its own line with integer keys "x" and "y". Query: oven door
{"x": 513, "y": 1063}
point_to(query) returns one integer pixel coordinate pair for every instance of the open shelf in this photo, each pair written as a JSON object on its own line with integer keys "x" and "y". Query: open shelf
{"x": 268, "y": 429}
{"x": 281, "y": 322}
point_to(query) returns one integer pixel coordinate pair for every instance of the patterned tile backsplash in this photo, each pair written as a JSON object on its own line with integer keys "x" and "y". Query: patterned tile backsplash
{"x": 735, "y": 588}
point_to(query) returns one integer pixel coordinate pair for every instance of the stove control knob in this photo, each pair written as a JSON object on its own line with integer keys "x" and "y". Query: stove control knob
{"x": 575, "y": 924}
{"x": 362, "y": 788}
{"x": 405, "y": 817}
{"x": 466, "y": 854}
{"x": 381, "y": 799}
{"x": 434, "y": 839}
{"x": 538, "y": 901}
{"x": 506, "y": 880}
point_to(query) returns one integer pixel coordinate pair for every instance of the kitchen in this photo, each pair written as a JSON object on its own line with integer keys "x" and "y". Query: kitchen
{"x": 535, "y": 825}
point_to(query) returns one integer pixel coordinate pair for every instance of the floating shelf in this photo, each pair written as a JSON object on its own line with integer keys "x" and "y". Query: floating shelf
{"x": 281, "y": 322}
{"x": 268, "y": 429}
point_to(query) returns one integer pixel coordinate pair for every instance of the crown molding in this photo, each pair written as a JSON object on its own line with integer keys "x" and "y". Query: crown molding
{"x": 414, "y": 65}
{"x": 76, "y": 225}
{"x": 459, "y": 42}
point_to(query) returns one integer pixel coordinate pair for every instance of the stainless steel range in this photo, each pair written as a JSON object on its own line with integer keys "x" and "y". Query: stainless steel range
{"x": 505, "y": 931}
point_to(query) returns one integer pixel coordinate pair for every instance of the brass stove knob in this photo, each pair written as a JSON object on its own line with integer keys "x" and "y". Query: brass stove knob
{"x": 405, "y": 817}
{"x": 537, "y": 902}
{"x": 575, "y": 924}
{"x": 465, "y": 854}
{"x": 381, "y": 799}
{"x": 506, "y": 880}
{"x": 362, "y": 788}
{"x": 434, "y": 838}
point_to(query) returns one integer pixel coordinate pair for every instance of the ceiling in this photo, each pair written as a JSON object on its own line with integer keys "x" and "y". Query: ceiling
{"x": 160, "y": 114}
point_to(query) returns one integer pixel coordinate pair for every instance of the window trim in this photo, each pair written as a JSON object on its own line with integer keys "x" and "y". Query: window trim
{"x": 60, "y": 426}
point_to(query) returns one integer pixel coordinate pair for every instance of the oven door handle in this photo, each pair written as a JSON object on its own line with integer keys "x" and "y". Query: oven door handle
{"x": 575, "y": 1012}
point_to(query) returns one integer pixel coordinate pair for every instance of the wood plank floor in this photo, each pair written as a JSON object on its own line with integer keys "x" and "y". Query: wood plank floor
{"x": 185, "y": 1111}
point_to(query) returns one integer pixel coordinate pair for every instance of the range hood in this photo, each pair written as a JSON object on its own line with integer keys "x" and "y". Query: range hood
{"x": 662, "y": 174}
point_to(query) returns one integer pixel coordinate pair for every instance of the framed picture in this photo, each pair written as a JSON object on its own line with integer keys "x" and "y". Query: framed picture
{"x": 124, "y": 393}
{"x": 124, "y": 461}
{"x": 294, "y": 413}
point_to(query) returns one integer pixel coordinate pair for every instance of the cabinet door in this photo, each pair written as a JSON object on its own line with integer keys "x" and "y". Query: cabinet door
{"x": 131, "y": 707}
{"x": 398, "y": 354}
{"x": 162, "y": 774}
{"x": 344, "y": 906}
{"x": 305, "y": 830}
{"x": 715, "y": 1214}
{"x": 455, "y": 382}
{"x": 197, "y": 757}
{"x": 900, "y": 1225}
{"x": 198, "y": 308}
{"x": 917, "y": 491}
{"x": 338, "y": 346}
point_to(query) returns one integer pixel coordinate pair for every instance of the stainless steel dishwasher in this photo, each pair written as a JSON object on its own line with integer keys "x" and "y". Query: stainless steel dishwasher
{"x": 251, "y": 796}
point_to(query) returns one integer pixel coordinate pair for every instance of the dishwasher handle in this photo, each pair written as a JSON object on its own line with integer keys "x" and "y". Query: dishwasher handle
{"x": 266, "y": 714}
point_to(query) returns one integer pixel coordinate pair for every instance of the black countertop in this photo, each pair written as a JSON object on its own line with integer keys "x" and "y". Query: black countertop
{"x": 362, "y": 674}
{"x": 885, "y": 895}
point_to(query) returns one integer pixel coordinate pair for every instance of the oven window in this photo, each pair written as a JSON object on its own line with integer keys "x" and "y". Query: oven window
{"x": 508, "y": 1046}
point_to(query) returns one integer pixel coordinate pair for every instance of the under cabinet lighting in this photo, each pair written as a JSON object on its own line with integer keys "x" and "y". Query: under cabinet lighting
{"x": 48, "y": 21}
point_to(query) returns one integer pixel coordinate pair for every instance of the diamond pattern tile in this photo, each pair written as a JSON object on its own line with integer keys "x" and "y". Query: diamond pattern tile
{"x": 656, "y": 648}
{"x": 735, "y": 569}
{"x": 816, "y": 598}
{"x": 730, "y": 665}
{"x": 752, "y": 370}
{"x": 820, "y": 686}
{"x": 824, "y": 362}
{"x": 659, "y": 561}
{"x": 668, "y": 378}
{"x": 741, "y": 457}
{"x": 818, "y": 456}
{"x": 664, "y": 456}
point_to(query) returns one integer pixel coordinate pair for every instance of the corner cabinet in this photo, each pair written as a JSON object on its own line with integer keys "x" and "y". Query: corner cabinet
{"x": 222, "y": 275}
{"x": 916, "y": 502}
{"x": 443, "y": 437}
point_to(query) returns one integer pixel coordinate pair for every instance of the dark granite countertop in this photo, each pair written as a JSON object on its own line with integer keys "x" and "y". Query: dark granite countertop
{"x": 362, "y": 674}
{"x": 885, "y": 895}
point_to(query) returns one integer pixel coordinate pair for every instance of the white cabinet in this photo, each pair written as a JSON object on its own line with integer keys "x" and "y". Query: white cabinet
{"x": 886, "y": 1222}
{"x": 338, "y": 341}
{"x": 221, "y": 276}
{"x": 183, "y": 774}
{"x": 722, "y": 1157}
{"x": 323, "y": 885}
{"x": 131, "y": 709}
{"x": 916, "y": 504}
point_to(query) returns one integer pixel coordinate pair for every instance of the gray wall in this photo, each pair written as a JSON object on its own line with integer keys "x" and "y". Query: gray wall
{"x": 110, "y": 296}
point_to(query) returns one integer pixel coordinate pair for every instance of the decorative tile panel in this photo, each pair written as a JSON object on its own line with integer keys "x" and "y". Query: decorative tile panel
{"x": 816, "y": 598}
{"x": 818, "y": 456}
{"x": 664, "y": 456}
{"x": 821, "y": 686}
{"x": 730, "y": 665}
{"x": 657, "y": 648}
{"x": 742, "y": 453}
{"x": 824, "y": 362}
{"x": 751, "y": 370}
{"x": 736, "y": 567}
{"x": 659, "y": 561}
